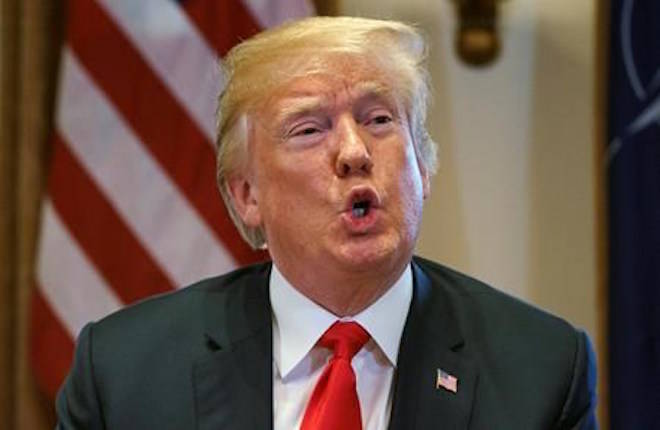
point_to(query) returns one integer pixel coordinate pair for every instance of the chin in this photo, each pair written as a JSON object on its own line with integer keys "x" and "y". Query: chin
{"x": 368, "y": 255}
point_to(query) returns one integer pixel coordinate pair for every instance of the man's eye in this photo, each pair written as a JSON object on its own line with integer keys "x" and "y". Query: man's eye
{"x": 304, "y": 128}
{"x": 381, "y": 119}
{"x": 306, "y": 131}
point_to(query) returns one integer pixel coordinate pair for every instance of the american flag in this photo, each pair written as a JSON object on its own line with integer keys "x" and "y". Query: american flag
{"x": 131, "y": 207}
{"x": 446, "y": 381}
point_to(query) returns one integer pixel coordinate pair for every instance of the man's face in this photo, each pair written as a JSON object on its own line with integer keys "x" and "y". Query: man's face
{"x": 333, "y": 177}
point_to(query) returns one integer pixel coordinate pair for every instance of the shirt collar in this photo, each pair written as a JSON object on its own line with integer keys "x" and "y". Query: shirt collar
{"x": 298, "y": 322}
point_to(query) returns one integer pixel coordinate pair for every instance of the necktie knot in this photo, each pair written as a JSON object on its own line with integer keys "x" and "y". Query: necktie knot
{"x": 345, "y": 339}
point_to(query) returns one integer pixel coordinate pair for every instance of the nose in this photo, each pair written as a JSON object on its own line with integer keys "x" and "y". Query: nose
{"x": 353, "y": 156}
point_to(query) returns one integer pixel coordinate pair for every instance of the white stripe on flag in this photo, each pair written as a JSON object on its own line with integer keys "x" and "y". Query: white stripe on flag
{"x": 271, "y": 13}
{"x": 67, "y": 278}
{"x": 176, "y": 51}
{"x": 159, "y": 215}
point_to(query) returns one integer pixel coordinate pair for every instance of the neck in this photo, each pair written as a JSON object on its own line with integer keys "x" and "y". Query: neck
{"x": 343, "y": 293}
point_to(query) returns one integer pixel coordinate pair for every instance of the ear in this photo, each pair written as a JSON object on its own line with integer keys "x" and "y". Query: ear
{"x": 244, "y": 196}
{"x": 426, "y": 183}
{"x": 426, "y": 179}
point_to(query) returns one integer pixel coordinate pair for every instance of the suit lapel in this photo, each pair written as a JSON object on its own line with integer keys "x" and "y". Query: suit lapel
{"x": 432, "y": 341}
{"x": 233, "y": 382}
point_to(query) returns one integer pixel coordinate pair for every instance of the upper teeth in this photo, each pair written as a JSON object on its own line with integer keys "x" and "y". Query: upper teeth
{"x": 360, "y": 208}
{"x": 359, "y": 211}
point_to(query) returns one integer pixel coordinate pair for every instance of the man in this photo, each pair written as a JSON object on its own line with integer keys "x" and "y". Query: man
{"x": 324, "y": 159}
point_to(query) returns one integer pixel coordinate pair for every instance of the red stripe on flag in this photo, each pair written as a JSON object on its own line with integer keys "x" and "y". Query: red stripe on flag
{"x": 153, "y": 113}
{"x": 223, "y": 23}
{"x": 100, "y": 231}
{"x": 51, "y": 347}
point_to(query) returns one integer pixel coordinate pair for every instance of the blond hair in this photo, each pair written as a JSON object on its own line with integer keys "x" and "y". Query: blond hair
{"x": 271, "y": 59}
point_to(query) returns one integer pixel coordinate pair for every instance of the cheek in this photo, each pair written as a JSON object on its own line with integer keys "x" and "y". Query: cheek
{"x": 411, "y": 189}
{"x": 292, "y": 186}
{"x": 301, "y": 175}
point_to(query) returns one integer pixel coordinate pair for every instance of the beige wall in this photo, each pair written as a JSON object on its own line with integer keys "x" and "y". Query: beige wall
{"x": 514, "y": 201}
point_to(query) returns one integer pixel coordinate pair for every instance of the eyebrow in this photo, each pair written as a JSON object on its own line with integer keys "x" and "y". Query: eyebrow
{"x": 308, "y": 102}
{"x": 303, "y": 105}
{"x": 375, "y": 89}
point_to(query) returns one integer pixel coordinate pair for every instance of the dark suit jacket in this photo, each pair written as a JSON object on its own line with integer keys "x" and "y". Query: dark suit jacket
{"x": 200, "y": 358}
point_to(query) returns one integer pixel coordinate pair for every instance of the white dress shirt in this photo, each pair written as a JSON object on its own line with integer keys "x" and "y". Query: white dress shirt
{"x": 298, "y": 323}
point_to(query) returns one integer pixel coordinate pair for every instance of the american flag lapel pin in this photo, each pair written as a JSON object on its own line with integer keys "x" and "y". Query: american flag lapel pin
{"x": 446, "y": 381}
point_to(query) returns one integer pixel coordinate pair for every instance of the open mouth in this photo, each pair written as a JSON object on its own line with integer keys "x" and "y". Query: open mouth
{"x": 361, "y": 202}
{"x": 361, "y": 208}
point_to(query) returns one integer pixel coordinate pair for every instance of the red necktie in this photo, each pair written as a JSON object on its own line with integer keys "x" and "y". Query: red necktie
{"x": 334, "y": 403}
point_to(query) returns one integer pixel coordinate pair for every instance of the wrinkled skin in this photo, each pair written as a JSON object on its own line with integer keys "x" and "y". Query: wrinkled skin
{"x": 317, "y": 145}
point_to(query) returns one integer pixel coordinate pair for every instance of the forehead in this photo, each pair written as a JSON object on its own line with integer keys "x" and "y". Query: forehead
{"x": 327, "y": 92}
{"x": 336, "y": 82}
